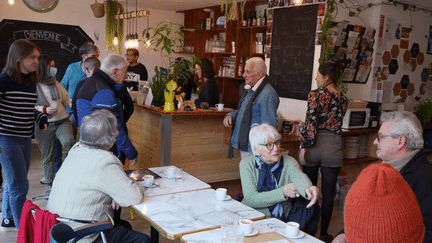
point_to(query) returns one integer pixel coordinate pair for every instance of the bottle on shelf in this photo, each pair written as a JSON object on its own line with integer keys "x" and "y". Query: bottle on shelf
{"x": 244, "y": 21}
{"x": 259, "y": 19}
{"x": 264, "y": 20}
{"x": 249, "y": 20}
{"x": 240, "y": 68}
{"x": 254, "y": 19}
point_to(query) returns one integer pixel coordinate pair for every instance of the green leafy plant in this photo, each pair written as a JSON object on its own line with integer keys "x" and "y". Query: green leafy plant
{"x": 324, "y": 37}
{"x": 167, "y": 38}
{"x": 424, "y": 112}
{"x": 114, "y": 26}
{"x": 229, "y": 8}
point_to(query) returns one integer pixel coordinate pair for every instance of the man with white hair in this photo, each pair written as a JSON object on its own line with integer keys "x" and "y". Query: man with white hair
{"x": 399, "y": 143}
{"x": 105, "y": 90}
{"x": 258, "y": 105}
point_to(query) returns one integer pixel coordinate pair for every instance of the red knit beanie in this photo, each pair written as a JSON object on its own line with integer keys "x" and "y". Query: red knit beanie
{"x": 381, "y": 207}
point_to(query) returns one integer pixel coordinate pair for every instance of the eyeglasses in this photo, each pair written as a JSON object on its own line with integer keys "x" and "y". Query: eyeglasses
{"x": 271, "y": 145}
{"x": 380, "y": 136}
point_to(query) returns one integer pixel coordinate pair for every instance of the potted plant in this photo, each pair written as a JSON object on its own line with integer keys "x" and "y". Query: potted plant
{"x": 168, "y": 38}
{"x": 229, "y": 7}
{"x": 424, "y": 112}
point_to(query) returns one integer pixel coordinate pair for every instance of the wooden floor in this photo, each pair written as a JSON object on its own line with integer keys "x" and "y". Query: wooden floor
{"x": 234, "y": 187}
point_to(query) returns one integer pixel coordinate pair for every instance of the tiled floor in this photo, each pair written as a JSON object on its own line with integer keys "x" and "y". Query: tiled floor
{"x": 35, "y": 174}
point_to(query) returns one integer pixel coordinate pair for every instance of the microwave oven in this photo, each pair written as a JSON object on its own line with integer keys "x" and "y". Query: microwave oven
{"x": 356, "y": 118}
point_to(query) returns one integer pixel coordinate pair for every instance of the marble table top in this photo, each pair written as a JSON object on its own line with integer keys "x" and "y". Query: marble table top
{"x": 169, "y": 186}
{"x": 174, "y": 215}
{"x": 263, "y": 226}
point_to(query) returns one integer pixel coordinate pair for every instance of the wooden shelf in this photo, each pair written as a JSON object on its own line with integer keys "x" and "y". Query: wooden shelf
{"x": 244, "y": 38}
{"x": 263, "y": 27}
{"x": 359, "y": 131}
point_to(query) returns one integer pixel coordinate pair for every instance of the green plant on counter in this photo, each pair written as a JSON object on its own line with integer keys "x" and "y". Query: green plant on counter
{"x": 229, "y": 8}
{"x": 167, "y": 38}
{"x": 114, "y": 26}
{"x": 424, "y": 112}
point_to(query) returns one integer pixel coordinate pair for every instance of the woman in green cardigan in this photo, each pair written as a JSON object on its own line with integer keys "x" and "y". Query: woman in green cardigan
{"x": 274, "y": 184}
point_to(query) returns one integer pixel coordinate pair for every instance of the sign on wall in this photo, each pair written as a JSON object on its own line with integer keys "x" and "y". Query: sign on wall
{"x": 60, "y": 41}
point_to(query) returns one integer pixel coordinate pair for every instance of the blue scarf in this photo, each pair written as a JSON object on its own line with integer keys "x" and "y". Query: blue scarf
{"x": 268, "y": 179}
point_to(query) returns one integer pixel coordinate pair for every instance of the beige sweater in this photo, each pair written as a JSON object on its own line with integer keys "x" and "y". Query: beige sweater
{"x": 87, "y": 182}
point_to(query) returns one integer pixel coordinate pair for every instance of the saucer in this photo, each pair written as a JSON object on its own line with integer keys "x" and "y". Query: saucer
{"x": 298, "y": 236}
{"x": 254, "y": 232}
{"x": 227, "y": 197}
{"x": 155, "y": 184}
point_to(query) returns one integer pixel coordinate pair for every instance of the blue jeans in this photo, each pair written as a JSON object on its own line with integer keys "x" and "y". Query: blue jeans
{"x": 15, "y": 157}
{"x": 124, "y": 235}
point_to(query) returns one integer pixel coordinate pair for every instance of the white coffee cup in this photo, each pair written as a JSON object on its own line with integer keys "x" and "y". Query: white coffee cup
{"x": 246, "y": 226}
{"x": 170, "y": 172}
{"x": 292, "y": 229}
{"x": 220, "y": 107}
{"x": 221, "y": 194}
{"x": 148, "y": 180}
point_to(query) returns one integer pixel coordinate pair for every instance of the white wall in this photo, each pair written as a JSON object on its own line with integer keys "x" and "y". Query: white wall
{"x": 79, "y": 13}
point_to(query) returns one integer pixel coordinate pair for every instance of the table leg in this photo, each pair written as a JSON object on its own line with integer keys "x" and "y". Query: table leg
{"x": 154, "y": 235}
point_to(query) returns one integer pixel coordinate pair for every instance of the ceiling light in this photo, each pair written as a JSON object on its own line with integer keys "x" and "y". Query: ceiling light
{"x": 11, "y": 2}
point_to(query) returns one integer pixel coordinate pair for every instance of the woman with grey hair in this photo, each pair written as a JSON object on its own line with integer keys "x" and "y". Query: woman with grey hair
{"x": 92, "y": 177}
{"x": 274, "y": 184}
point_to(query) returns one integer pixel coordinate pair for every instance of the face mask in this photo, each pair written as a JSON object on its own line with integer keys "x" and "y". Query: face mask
{"x": 52, "y": 71}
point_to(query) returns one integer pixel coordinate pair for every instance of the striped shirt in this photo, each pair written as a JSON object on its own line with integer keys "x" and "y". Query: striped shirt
{"x": 17, "y": 107}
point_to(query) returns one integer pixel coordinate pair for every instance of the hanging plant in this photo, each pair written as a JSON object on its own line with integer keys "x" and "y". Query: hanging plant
{"x": 114, "y": 26}
{"x": 229, "y": 8}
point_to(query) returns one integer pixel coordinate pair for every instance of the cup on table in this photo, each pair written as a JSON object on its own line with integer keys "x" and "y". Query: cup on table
{"x": 220, "y": 107}
{"x": 178, "y": 176}
{"x": 148, "y": 180}
{"x": 140, "y": 98}
{"x": 170, "y": 172}
{"x": 246, "y": 226}
{"x": 221, "y": 194}
{"x": 231, "y": 233}
{"x": 292, "y": 229}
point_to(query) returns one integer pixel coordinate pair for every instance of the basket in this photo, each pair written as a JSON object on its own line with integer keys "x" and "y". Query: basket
{"x": 98, "y": 9}
{"x": 357, "y": 103}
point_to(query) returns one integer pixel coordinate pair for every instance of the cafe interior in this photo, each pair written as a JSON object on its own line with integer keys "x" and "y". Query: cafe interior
{"x": 387, "y": 49}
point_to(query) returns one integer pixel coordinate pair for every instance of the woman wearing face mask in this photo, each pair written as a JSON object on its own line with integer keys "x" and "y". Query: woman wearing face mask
{"x": 52, "y": 100}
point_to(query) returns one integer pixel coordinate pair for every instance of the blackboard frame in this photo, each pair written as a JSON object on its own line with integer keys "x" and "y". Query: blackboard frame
{"x": 60, "y": 41}
{"x": 293, "y": 50}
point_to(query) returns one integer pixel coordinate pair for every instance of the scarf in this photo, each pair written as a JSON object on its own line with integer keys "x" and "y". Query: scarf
{"x": 268, "y": 179}
{"x": 51, "y": 83}
{"x": 247, "y": 118}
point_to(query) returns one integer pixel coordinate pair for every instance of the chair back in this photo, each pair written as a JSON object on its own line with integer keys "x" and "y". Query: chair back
{"x": 62, "y": 233}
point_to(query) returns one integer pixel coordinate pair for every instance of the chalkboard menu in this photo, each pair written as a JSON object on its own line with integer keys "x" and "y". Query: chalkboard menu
{"x": 292, "y": 50}
{"x": 57, "y": 40}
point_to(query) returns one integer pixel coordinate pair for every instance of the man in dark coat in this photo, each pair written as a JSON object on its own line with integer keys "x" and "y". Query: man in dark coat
{"x": 400, "y": 143}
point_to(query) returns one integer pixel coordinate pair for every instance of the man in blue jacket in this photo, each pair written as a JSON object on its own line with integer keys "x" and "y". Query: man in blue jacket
{"x": 105, "y": 90}
{"x": 258, "y": 105}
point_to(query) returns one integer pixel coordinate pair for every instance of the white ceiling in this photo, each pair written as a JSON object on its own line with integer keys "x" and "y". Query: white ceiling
{"x": 178, "y": 5}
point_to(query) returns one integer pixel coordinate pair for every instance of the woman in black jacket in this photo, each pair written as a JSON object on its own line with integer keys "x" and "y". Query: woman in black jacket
{"x": 207, "y": 89}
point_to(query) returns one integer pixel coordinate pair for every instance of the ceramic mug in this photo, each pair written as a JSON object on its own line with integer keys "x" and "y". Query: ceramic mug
{"x": 246, "y": 226}
{"x": 292, "y": 229}
{"x": 220, "y": 107}
{"x": 221, "y": 194}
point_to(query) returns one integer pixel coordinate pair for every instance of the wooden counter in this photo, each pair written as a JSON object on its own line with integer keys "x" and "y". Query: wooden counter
{"x": 192, "y": 140}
